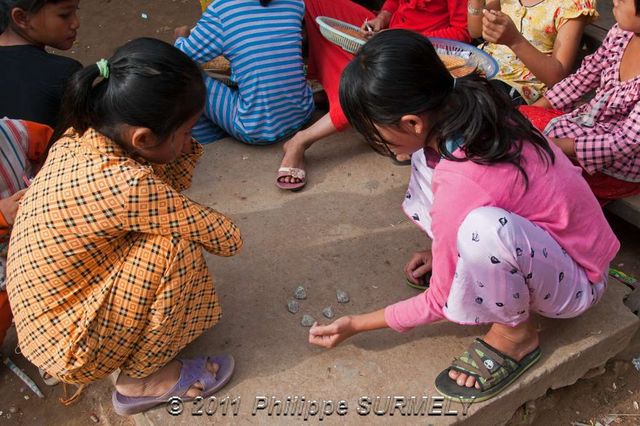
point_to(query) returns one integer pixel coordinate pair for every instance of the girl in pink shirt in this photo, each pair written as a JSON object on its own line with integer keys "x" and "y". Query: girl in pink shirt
{"x": 515, "y": 228}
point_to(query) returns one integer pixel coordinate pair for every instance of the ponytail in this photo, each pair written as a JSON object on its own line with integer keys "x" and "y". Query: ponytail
{"x": 398, "y": 73}
{"x": 76, "y": 102}
{"x": 147, "y": 83}
{"x": 479, "y": 114}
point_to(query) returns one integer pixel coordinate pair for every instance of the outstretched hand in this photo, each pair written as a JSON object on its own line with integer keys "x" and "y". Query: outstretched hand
{"x": 329, "y": 336}
{"x": 497, "y": 27}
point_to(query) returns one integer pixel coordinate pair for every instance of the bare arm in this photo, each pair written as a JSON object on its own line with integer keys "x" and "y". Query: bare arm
{"x": 543, "y": 102}
{"x": 331, "y": 335}
{"x": 474, "y": 21}
{"x": 549, "y": 69}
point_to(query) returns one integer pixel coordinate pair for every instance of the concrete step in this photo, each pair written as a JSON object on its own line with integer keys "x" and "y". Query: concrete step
{"x": 346, "y": 231}
{"x": 627, "y": 208}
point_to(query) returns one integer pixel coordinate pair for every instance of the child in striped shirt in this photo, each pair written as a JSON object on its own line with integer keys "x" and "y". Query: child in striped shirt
{"x": 263, "y": 41}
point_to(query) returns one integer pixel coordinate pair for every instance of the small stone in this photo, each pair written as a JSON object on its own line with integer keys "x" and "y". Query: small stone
{"x": 635, "y": 405}
{"x": 94, "y": 418}
{"x": 26, "y": 397}
{"x": 293, "y": 306}
{"x": 328, "y": 312}
{"x": 307, "y": 320}
{"x": 343, "y": 296}
{"x": 12, "y": 410}
{"x": 300, "y": 293}
{"x": 636, "y": 363}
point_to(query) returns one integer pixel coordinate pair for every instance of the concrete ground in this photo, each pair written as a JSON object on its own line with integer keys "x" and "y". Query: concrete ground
{"x": 344, "y": 231}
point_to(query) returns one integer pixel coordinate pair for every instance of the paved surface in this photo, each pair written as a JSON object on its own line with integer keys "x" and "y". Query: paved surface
{"x": 344, "y": 231}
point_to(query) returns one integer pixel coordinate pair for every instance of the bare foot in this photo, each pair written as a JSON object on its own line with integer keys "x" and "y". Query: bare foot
{"x": 516, "y": 342}
{"x": 160, "y": 382}
{"x": 294, "y": 150}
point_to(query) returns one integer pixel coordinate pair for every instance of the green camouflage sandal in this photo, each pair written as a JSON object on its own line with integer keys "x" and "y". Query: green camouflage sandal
{"x": 493, "y": 370}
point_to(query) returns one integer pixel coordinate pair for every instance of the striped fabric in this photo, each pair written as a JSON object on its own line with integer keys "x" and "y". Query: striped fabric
{"x": 263, "y": 44}
{"x": 14, "y": 163}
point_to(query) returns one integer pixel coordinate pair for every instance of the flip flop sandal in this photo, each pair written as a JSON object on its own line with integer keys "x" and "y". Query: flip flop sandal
{"x": 423, "y": 282}
{"x": 294, "y": 173}
{"x": 192, "y": 371}
{"x": 493, "y": 370}
{"x": 47, "y": 378}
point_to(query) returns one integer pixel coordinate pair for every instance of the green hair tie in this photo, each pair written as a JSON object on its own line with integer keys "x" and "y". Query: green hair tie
{"x": 103, "y": 67}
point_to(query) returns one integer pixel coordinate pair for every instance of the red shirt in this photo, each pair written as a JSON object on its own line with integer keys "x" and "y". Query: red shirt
{"x": 434, "y": 18}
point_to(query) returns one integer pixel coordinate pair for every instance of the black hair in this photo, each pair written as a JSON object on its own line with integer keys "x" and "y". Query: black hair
{"x": 265, "y": 3}
{"x": 637, "y": 7}
{"x": 151, "y": 84}
{"x": 31, "y": 6}
{"x": 398, "y": 72}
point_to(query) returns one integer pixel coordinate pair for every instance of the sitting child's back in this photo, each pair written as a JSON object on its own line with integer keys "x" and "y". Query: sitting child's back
{"x": 264, "y": 46}
{"x": 32, "y": 82}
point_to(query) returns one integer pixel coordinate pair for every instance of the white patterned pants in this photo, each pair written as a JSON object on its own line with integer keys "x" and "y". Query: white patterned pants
{"x": 509, "y": 267}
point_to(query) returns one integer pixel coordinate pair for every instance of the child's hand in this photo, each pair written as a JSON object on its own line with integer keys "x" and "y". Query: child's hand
{"x": 183, "y": 31}
{"x": 379, "y": 23}
{"x": 497, "y": 27}
{"x": 418, "y": 266}
{"x": 9, "y": 206}
{"x": 331, "y": 335}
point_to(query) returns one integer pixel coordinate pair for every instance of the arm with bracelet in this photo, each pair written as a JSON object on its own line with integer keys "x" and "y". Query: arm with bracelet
{"x": 475, "y": 14}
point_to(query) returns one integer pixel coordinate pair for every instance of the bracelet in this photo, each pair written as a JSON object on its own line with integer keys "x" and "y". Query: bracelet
{"x": 473, "y": 11}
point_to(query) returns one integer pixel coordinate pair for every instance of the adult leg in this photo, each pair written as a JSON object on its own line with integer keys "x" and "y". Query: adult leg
{"x": 326, "y": 62}
{"x": 507, "y": 268}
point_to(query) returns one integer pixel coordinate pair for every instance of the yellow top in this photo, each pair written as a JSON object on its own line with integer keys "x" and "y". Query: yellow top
{"x": 539, "y": 24}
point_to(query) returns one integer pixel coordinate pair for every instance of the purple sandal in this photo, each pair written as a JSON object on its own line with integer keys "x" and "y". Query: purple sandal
{"x": 192, "y": 371}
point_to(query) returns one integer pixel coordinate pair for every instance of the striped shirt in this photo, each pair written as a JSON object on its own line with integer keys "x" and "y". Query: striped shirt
{"x": 264, "y": 46}
{"x": 14, "y": 161}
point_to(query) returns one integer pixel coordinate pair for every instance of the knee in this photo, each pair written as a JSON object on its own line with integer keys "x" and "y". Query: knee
{"x": 482, "y": 228}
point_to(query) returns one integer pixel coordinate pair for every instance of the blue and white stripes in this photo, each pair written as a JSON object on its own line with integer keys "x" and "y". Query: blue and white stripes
{"x": 264, "y": 46}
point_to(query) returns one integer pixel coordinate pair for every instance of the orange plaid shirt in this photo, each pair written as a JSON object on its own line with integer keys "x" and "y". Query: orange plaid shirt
{"x": 73, "y": 230}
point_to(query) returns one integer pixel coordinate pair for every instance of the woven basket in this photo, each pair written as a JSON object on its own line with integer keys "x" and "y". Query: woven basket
{"x": 219, "y": 65}
{"x": 333, "y": 30}
{"x": 475, "y": 58}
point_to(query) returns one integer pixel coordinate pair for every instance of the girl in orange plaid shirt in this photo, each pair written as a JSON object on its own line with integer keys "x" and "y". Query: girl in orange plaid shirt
{"x": 106, "y": 268}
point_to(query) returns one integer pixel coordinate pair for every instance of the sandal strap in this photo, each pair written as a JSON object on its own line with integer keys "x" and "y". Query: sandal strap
{"x": 487, "y": 365}
{"x": 294, "y": 172}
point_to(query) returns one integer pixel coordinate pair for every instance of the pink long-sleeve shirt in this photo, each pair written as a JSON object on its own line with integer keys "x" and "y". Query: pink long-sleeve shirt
{"x": 558, "y": 200}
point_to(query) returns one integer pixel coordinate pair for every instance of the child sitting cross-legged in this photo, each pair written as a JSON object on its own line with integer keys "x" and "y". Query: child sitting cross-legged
{"x": 106, "y": 268}
{"x": 603, "y": 134}
{"x": 516, "y": 230}
{"x": 262, "y": 39}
